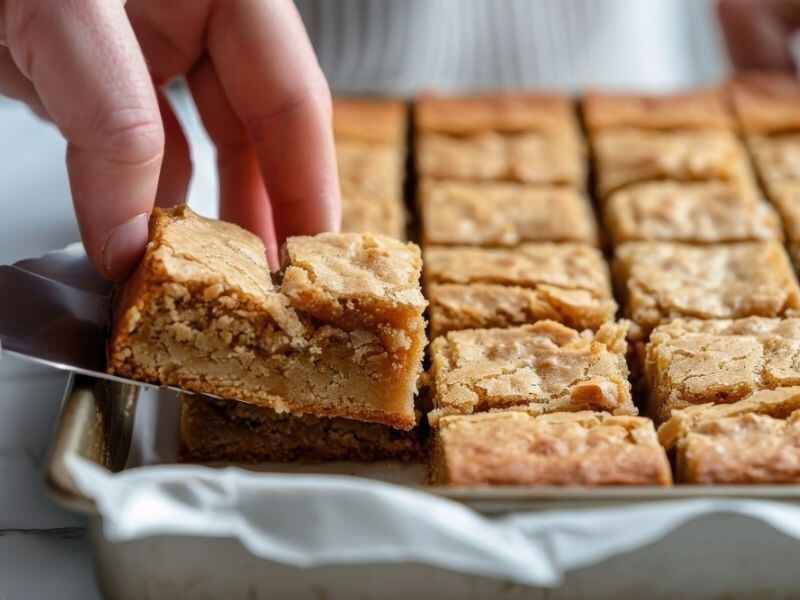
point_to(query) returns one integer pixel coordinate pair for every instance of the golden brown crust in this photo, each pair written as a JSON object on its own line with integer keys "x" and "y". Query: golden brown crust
{"x": 370, "y": 119}
{"x": 455, "y": 306}
{"x": 349, "y": 275}
{"x": 720, "y": 361}
{"x": 754, "y": 440}
{"x": 518, "y": 448}
{"x": 546, "y": 365}
{"x": 479, "y": 214}
{"x": 628, "y": 156}
{"x": 661, "y": 281}
{"x": 220, "y": 430}
{"x": 503, "y": 112}
{"x": 484, "y": 287}
{"x": 365, "y": 167}
{"x": 777, "y": 158}
{"x": 367, "y": 213}
{"x": 695, "y": 109}
{"x": 778, "y": 403}
{"x": 534, "y": 157}
{"x": 201, "y": 313}
{"x": 766, "y": 102}
{"x": 570, "y": 266}
{"x": 786, "y": 198}
{"x": 698, "y": 213}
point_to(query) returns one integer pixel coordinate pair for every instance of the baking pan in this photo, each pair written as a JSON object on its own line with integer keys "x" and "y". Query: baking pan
{"x": 715, "y": 555}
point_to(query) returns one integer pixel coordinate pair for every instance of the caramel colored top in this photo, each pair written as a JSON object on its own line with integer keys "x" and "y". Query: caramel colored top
{"x": 628, "y": 156}
{"x": 545, "y": 364}
{"x": 329, "y": 272}
{"x": 663, "y": 281}
{"x": 694, "y": 362}
{"x": 571, "y": 266}
{"x": 370, "y": 120}
{"x": 502, "y": 112}
{"x": 480, "y": 213}
{"x": 779, "y": 404}
{"x": 705, "y": 212}
{"x": 766, "y": 102}
{"x": 579, "y": 448}
{"x": 696, "y": 109}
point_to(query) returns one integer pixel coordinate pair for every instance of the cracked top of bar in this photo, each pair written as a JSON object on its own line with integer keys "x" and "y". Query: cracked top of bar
{"x": 331, "y": 274}
{"x": 695, "y": 109}
{"x": 545, "y": 365}
{"x": 778, "y": 403}
{"x": 693, "y": 212}
{"x": 520, "y": 448}
{"x": 571, "y": 266}
{"x": 755, "y": 440}
{"x": 690, "y": 362}
{"x": 661, "y": 281}
{"x": 342, "y": 336}
{"x": 477, "y": 213}
{"x": 627, "y": 156}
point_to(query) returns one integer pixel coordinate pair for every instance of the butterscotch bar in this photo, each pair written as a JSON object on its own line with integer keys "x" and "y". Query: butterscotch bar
{"x": 366, "y": 167}
{"x": 682, "y": 137}
{"x": 370, "y": 120}
{"x": 503, "y": 214}
{"x": 518, "y": 448}
{"x": 220, "y": 430}
{"x": 531, "y": 138}
{"x": 698, "y": 213}
{"x": 370, "y": 150}
{"x": 696, "y": 109}
{"x": 342, "y": 336}
{"x": 766, "y": 103}
{"x": 485, "y": 287}
{"x": 754, "y": 440}
{"x": 720, "y": 361}
{"x": 546, "y": 366}
{"x": 627, "y": 156}
{"x": 367, "y": 212}
{"x": 768, "y": 108}
{"x": 661, "y": 281}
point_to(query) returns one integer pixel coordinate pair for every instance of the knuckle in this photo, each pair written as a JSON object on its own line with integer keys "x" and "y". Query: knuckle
{"x": 131, "y": 136}
{"x": 315, "y": 96}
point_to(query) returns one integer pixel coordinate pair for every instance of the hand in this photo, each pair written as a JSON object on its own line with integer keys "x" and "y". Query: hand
{"x": 757, "y": 32}
{"x": 94, "y": 67}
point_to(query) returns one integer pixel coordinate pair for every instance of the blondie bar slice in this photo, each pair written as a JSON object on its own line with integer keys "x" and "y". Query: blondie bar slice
{"x": 370, "y": 120}
{"x": 503, "y": 214}
{"x": 342, "y": 336}
{"x": 221, "y": 430}
{"x": 484, "y": 287}
{"x": 531, "y": 138}
{"x": 690, "y": 362}
{"x": 766, "y": 103}
{"x": 545, "y": 365}
{"x": 699, "y": 213}
{"x": 370, "y": 151}
{"x": 661, "y": 281}
{"x": 627, "y": 156}
{"x": 367, "y": 212}
{"x": 518, "y": 448}
{"x": 754, "y": 440}
{"x": 696, "y": 109}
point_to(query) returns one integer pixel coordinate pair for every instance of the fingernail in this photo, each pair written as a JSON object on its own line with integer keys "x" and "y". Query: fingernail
{"x": 124, "y": 247}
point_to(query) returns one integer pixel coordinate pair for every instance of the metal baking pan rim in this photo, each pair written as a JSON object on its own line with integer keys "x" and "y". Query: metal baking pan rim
{"x": 83, "y": 428}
